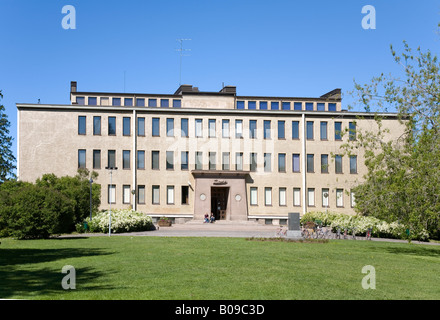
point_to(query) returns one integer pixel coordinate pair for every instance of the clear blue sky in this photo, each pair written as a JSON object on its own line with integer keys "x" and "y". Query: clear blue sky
{"x": 272, "y": 48}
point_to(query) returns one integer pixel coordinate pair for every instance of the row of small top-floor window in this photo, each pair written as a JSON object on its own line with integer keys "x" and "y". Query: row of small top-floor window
{"x": 129, "y": 102}
{"x": 285, "y": 105}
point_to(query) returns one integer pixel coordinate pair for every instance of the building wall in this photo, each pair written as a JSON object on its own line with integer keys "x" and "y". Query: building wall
{"x": 49, "y": 143}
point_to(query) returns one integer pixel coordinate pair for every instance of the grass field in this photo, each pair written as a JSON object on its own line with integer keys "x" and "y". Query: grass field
{"x": 216, "y": 268}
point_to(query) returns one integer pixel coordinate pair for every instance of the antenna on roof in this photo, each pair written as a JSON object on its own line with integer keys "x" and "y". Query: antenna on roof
{"x": 181, "y": 50}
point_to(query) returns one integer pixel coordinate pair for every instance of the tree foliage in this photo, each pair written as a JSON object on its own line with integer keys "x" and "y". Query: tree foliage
{"x": 403, "y": 179}
{"x": 52, "y": 205}
{"x": 7, "y": 158}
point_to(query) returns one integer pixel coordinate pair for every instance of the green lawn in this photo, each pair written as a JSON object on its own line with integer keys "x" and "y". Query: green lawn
{"x": 122, "y": 267}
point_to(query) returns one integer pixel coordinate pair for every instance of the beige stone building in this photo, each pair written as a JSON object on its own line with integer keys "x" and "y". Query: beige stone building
{"x": 190, "y": 153}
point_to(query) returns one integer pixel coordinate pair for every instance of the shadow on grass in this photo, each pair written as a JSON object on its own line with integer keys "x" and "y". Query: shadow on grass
{"x": 422, "y": 251}
{"x": 20, "y": 274}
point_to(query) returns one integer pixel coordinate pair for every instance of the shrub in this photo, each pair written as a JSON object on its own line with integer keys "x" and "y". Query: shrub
{"x": 360, "y": 225}
{"x": 125, "y": 220}
{"x": 28, "y": 211}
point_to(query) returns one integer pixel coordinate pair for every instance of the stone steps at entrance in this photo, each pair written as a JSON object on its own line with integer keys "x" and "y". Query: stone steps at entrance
{"x": 224, "y": 222}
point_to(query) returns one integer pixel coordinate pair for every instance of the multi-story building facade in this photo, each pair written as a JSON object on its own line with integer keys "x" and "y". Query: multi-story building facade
{"x": 190, "y": 153}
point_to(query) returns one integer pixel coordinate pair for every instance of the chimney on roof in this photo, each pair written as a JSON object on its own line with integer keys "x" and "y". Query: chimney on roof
{"x": 229, "y": 89}
{"x": 72, "y": 86}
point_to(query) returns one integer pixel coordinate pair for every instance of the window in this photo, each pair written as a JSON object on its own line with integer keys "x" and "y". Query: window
{"x": 126, "y": 194}
{"x": 239, "y": 161}
{"x": 339, "y": 197}
{"x": 240, "y": 104}
{"x": 352, "y": 131}
{"x": 184, "y": 127}
{"x": 96, "y": 159}
{"x": 268, "y": 196}
{"x": 225, "y": 161}
{"x": 81, "y": 101}
{"x": 170, "y": 160}
{"x": 141, "y": 159}
{"x": 111, "y": 159}
{"x": 212, "y": 161}
{"x": 297, "y": 106}
{"x": 177, "y": 103}
{"x": 126, "y": 159}
{"x": 116, "y": 102}
{"x": 225, "y": 128}
{"x": 282, "y": 196}
{"x": 295, "y": 162}
{"x": 111, "y": 126}
{"x": 353, "y": 164}
{"x": 126, "y": 126}
{"x": 325, "y": 197}
{"x": 141, "y": 194}
{"x": 310, "y": 163}
{"x": 338, "y": 164}
{"x": 93, "y": 101}
{"x": 152, "y": 102}
{"x": 184, "y": 160}
{"x": 185, "y": 195}
{"x": 253, "y": 162}
{"x": 252, "y": 129}
{"x": 274, "y": 105}
{"x": 309, "y": 106}
{"x": 155, "y": 127}
{"x": 170, "y": 194}
{"x": 252, "y": 105}
{"x": 281, "y": 162}
{"x": 164, "y": 103}
{"x": 211, "y": 128}
{"x": 140, "y": 102}
{"x": 281, "y": 129}
{"x": 82, "y": 125}
{"x": 320, "y": 106}
{"x": 128, "y": 102}
{"x": 97, "y": 126}
{"x": 311, "y": 197}
{"x": 156, "y": 195}
{"x": 170, "y": 127}
{"x": 198, "y": 128}
{"x": 296, "y": 197}
{"x": 81, "y": 158}
{"x": 111, "y": 193}
{"x": 323, "y": 130}
{"x": 141, "y": 127}
{"x": 267, "y": 162}
{"x": 263, "y": 105}
{"x": 309, "y": 133}
{"x": 332, "y": 107}
{"x": 338, "y": 132}
{"x": 254, "y": 196}
{"x": 286, "y": 105}
{"x": 324, "y": 163}
{"x": 154, "y": 160}
{"x": 295, "y": 129}
{"x": 199, "y": 160}
{"x": 266, "y": 128}
{"x": 239, "y": 129}
{"x": 352, "y": 199}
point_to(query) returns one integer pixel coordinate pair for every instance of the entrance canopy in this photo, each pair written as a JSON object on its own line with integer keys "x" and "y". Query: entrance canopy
{"x": 222, "y": 193}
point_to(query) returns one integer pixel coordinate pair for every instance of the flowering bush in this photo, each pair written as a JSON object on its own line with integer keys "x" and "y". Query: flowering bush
{"x": 360, "y": 225}
{"x": 122, "y": 221}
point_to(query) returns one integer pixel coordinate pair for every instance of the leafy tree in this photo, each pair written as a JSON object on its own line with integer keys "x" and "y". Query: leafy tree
{"x": 7, "y": 158}
{"x": 403, "y": 179}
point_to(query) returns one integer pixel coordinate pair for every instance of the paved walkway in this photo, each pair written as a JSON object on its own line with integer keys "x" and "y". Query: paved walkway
{"x": 234, "y": 230}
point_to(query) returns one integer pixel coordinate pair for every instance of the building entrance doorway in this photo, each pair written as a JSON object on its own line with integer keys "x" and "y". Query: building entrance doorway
{"x": 219, "y": 202}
